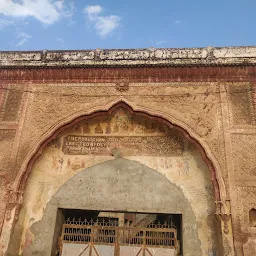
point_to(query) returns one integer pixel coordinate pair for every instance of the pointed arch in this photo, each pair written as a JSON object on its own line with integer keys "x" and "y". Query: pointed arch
{"x": 170, "y": 121}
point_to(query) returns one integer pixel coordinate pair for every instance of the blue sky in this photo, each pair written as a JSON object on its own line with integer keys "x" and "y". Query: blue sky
{"x": 91, "y": 24}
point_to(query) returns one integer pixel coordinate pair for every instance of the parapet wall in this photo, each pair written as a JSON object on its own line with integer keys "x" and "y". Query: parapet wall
{"x": 124, "y": 57}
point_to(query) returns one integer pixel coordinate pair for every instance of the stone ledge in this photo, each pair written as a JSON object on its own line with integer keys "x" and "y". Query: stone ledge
{"x": 129, "y": 57}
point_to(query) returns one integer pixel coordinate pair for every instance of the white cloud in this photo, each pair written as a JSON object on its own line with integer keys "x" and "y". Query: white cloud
{"x": 59, "y": 4}
{"x": 23, "y": 38}
{"x": 107, "y": 24}
{"x": 46, "y": 11}
{"x": 5, "y": 23}
{"x": 69, "y": 9}
{"x": 92, "y": 10}
{"x": 104, "y": 25}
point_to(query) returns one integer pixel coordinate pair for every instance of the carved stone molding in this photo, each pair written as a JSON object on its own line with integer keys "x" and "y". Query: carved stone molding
{"x": 243, "y": 151}
{"x": 247, "y": 198}
{"x": 15, "y": 200}
{"x": 122, "y": 85}
{"x": 6, "y": 143}
{"x": 241, "y": 109}
{"x": 223, "y": 215}
{"x": 11, "y": 102}
{"x": 6, "y": 133}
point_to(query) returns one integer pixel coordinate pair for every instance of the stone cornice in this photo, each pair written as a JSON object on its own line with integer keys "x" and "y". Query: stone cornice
{"x": 208, "y": 56}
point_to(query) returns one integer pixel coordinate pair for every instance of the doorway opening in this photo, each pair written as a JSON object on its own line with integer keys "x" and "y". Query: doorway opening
{"x": 89, "y": 232}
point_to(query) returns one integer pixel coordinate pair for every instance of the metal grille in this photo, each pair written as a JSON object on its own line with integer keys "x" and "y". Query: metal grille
{"x": 109, "y": 233}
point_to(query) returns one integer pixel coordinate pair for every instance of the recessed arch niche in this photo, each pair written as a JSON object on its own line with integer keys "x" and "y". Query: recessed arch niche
{"x": 121, "y": 132}
{"x": 252, "y": 217}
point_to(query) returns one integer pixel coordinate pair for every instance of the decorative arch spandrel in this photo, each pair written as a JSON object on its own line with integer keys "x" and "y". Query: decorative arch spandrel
{"x": 220, "y": 194}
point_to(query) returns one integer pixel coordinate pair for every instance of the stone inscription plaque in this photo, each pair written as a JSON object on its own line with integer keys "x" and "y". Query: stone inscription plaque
{"x": 129, "y": 145}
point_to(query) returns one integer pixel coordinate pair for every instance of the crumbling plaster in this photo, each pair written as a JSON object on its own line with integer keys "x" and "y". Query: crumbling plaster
{"x": 151, "y": 56}
{"x": 124, "y": 185}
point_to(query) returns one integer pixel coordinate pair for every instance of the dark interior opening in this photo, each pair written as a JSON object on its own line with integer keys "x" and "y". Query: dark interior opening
{"x": 120, "y": 219}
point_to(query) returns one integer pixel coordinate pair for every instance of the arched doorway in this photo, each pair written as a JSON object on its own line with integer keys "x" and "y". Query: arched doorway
{"x": 151, "y": 143}
{"x": 118, "y": 185}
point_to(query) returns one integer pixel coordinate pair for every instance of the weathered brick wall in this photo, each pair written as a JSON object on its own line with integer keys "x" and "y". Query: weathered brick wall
{"x": 214, "y": 103}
